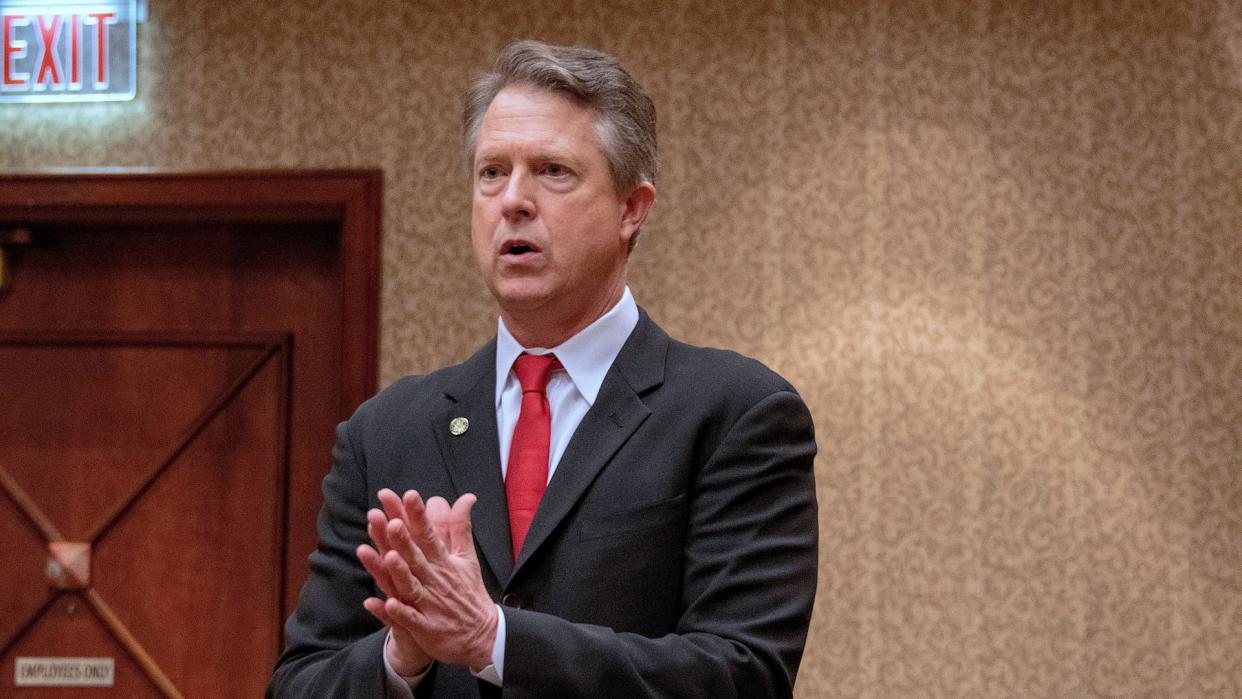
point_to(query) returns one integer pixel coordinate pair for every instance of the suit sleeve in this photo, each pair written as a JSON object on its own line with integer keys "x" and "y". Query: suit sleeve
{"x": 751, "y": 550}
{"x": 334, "y": 646}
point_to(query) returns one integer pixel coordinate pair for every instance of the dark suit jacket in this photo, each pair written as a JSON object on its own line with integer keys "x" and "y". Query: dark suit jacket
{"x": 673, "y": 554}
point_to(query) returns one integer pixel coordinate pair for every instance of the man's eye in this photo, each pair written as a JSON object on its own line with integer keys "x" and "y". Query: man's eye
{"x": 555, "y": 170}
{"x": 490, "y": 172}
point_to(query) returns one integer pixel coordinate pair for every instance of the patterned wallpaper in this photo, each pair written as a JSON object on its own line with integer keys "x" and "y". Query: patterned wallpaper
{"x": 997, "y": 245}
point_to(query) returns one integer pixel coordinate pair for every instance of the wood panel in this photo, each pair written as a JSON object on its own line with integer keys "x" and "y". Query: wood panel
{"x": 177, "y": 350}
{"x": 185, "y": 531}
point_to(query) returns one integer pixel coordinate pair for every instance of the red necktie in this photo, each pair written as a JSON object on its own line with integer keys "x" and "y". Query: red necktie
{"x": 527, "y": 475}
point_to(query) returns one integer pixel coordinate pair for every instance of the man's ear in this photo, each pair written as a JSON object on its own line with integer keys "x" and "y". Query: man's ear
{"x": 635, "y": 209}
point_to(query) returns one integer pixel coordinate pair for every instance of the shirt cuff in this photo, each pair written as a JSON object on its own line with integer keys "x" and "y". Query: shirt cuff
{"x": 494, "y": 673}
{"x": 400, "y": 685}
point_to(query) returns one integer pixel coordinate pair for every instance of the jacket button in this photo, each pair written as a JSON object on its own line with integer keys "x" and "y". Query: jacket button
{"x": 511, "y": 600}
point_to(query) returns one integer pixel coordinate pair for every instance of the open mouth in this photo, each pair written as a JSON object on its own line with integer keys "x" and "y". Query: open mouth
{"x": 517, "y": 248}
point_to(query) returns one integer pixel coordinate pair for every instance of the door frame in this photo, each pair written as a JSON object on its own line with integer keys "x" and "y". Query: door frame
{"x": 350, "y": 199}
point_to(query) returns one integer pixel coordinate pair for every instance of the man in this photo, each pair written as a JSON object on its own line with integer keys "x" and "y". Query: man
{"x": 630, "y": 516}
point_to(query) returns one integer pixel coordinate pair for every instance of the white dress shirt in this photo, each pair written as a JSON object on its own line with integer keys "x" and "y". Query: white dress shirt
{"x": 586, "y": 358}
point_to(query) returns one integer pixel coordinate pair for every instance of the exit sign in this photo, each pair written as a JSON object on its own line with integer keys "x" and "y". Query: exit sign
{"x": 68, "y": 51}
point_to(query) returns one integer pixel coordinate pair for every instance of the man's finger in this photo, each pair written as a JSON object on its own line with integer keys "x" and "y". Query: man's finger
{"x": 377, "y": 530}
{"x": 420, "y": 530}
{"x": 375, "y": 605}
{"x": 407, "y": 587}
{"x": 402, "y": 543}
{"x": 438, "y": 514}
{"x": 402, "y": 614}
{"x": 374, "y": 565}
{"x": 401, "y": 638}
{"x": 461, "y": 531}
{"x": 378, "y": 610}
{"x": 391, "y": 502}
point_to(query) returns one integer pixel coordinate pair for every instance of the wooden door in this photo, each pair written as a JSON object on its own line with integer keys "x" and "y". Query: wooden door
{"x": 175, "y": 351}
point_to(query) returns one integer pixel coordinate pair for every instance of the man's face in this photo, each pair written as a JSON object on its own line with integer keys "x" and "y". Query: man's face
{"x": 548, "y": 228}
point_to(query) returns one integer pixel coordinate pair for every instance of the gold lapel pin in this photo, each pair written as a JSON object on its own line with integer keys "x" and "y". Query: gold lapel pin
{"x": 458, "y": 426}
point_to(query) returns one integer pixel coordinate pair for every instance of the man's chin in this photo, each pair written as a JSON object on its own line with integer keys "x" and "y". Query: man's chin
{"x": 521, "y": 297}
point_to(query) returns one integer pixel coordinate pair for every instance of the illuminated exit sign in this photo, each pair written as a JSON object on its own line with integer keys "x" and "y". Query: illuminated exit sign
{"x": 68, "y": 51}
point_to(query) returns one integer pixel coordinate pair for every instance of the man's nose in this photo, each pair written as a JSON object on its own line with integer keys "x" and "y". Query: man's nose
{"x": 518, "y": 200}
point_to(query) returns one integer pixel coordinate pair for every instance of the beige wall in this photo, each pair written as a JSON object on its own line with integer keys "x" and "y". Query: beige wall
{"x": 997, "y": 245}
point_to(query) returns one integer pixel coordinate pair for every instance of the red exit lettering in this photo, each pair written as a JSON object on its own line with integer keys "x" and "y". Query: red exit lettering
{"x": 52, "y": 51}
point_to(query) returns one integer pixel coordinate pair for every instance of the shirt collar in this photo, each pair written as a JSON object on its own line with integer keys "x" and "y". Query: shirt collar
{"x": 586, "y": 356}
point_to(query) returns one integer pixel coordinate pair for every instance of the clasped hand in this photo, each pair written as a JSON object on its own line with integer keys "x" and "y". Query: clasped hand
{"x": 424, "y": 561}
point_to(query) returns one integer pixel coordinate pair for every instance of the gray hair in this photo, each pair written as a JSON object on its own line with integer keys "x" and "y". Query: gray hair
{"x": 625, "y": 116}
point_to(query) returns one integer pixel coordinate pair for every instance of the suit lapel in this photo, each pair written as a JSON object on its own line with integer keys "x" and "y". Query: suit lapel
{"x": 617, "y": 413}
{"x": 473, "y": 457}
